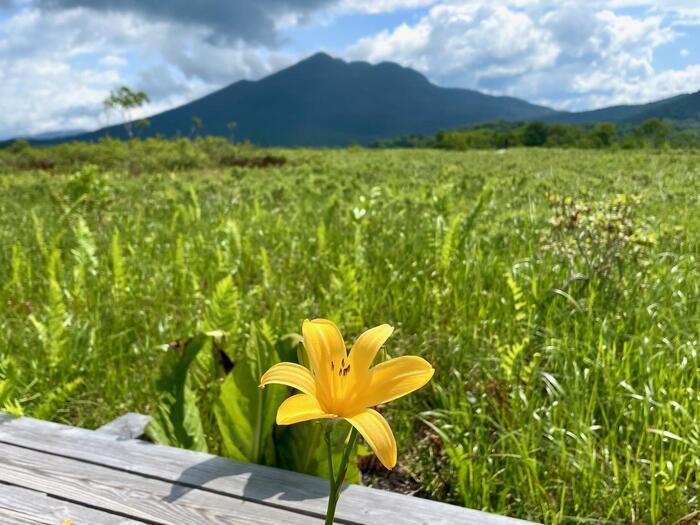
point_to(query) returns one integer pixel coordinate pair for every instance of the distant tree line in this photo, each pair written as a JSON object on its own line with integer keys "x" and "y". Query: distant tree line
{"x": 652, "y": 133}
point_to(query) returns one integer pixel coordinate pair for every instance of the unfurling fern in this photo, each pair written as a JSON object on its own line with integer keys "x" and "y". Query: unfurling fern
{"x": 118, "y": 272}
{"x": 52, "y": 331}
{"x": 85, "y": 256}
{"x": 518, "y": 298}
{"x": 19, "y": 265}
{"x": 222, "y": 309}
{"x": 39, "y": 235}
{"x": 265, "y": 268}
{"x": 509, "y": 355}
{"x": 439, "y": 239}
{"x": 85, "y": 251}
{"x": 344, "y": 295}
{"x": 56, "y": 399}
{"x": 449, "y": 241}
{"x": 220, "y": 317}
{"x": 10, "y": 390}
{"x": 527, "y": 372}
{"x": 180, "y": 265}
{"x": 234, "y": 234}
{"x": 194, "y": 210}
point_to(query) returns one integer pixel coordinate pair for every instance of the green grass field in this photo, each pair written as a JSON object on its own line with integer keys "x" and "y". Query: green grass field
{"x": 564, "y": 331}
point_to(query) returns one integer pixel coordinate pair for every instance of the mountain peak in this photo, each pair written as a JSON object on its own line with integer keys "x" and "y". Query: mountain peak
{"x": 325, "y": 65}
{"x": 327, "y": 101}
{"x": 321, "y": 56}
{"x": 320, "y": 59}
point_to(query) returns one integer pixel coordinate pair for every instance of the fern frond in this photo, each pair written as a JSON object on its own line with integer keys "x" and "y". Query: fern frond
{"x": 222, "y": 309}
{"x": 118, "y": 272}
{"x": 518, "y": 297}
{"x": 56, "y": 400}
{"x": 449, "y": 241}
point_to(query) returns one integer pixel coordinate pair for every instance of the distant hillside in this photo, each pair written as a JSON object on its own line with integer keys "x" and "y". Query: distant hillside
{"x": 679, "y": 108}
{"x": 60, "y": 134}
{"x": 323, "y": 101}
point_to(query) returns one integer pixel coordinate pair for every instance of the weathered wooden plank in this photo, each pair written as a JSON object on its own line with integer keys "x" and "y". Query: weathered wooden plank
{"x": 20, "y": 506}
{"x": 358, "y": 505}
{"x": 129, "y": 426}
{"x": 135, "y": 497}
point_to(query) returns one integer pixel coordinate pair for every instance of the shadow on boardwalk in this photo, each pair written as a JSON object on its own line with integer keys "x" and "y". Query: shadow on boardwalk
{"x": 263, "y": 484}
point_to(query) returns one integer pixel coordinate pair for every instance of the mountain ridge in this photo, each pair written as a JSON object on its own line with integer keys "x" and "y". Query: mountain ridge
{"x": 326, "y": 101}
{"x": 685, "y": 106}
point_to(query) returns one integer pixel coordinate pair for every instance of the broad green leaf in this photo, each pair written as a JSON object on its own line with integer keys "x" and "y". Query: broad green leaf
{"x": 244, "y": 412}
{"x": 302, "y": 448}
{"x": 177, "y": 421}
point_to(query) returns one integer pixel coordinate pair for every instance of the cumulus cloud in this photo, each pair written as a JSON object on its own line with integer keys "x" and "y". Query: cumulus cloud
{"x": 569, "y": 56}
{"x": 381, "y": 6}
{"x": 41, "y": 87}
{"x": 465, "y": 44}
{"x": 57, "y": 66}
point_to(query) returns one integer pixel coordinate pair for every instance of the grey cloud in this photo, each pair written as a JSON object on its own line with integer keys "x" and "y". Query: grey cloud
{"x": 160, "y": 82}
{"x": 251, "y": 21}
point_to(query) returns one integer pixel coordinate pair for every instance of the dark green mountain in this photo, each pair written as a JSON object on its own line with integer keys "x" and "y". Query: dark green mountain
{"x": 681, "y": 108}
{"x": 323, "y": 101}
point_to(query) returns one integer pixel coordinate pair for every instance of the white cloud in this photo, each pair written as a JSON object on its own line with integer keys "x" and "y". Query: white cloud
{"x": 114, "y": 61}
{"x": 655, "y": 86}
{"x": 56, "y": 68}
{"x": 381, "y": 6}
{"x": 569, "y": 56}
{"x": 464, "y": 43}
{"x": 40, "y": 88}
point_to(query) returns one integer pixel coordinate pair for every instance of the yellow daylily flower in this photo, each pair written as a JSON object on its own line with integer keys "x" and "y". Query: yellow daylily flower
{"x": 344, "y": 386}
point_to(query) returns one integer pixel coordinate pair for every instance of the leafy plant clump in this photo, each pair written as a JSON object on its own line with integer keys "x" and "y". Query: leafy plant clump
{"x": 596, "y": 238}
{"x": 136, "y": 156}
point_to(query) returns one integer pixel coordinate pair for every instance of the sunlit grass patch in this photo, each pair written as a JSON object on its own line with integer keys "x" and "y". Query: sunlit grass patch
{"x": 561, "y": 390}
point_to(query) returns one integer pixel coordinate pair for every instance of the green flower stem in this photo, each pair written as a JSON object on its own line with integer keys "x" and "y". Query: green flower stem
{"x": 329, "y": 448}
{"x": 336, "y": 483}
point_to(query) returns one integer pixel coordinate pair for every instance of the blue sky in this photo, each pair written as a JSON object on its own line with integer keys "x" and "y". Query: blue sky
{"x": 60, "y": 58}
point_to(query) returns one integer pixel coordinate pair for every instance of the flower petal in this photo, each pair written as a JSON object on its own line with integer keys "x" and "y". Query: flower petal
{"x": 324, "y": 343}
{"x": 394, "y": 378}
{"x": 366, "y": 347}
{"x": 298, "y": 408}
{"x": 326, "y": 350}
{"x": 290, "y": 374}
{"x": 377, "y": 432}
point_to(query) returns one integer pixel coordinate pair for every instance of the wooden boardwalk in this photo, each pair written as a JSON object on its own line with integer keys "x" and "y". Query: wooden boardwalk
{"x": 50, "y": 473}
